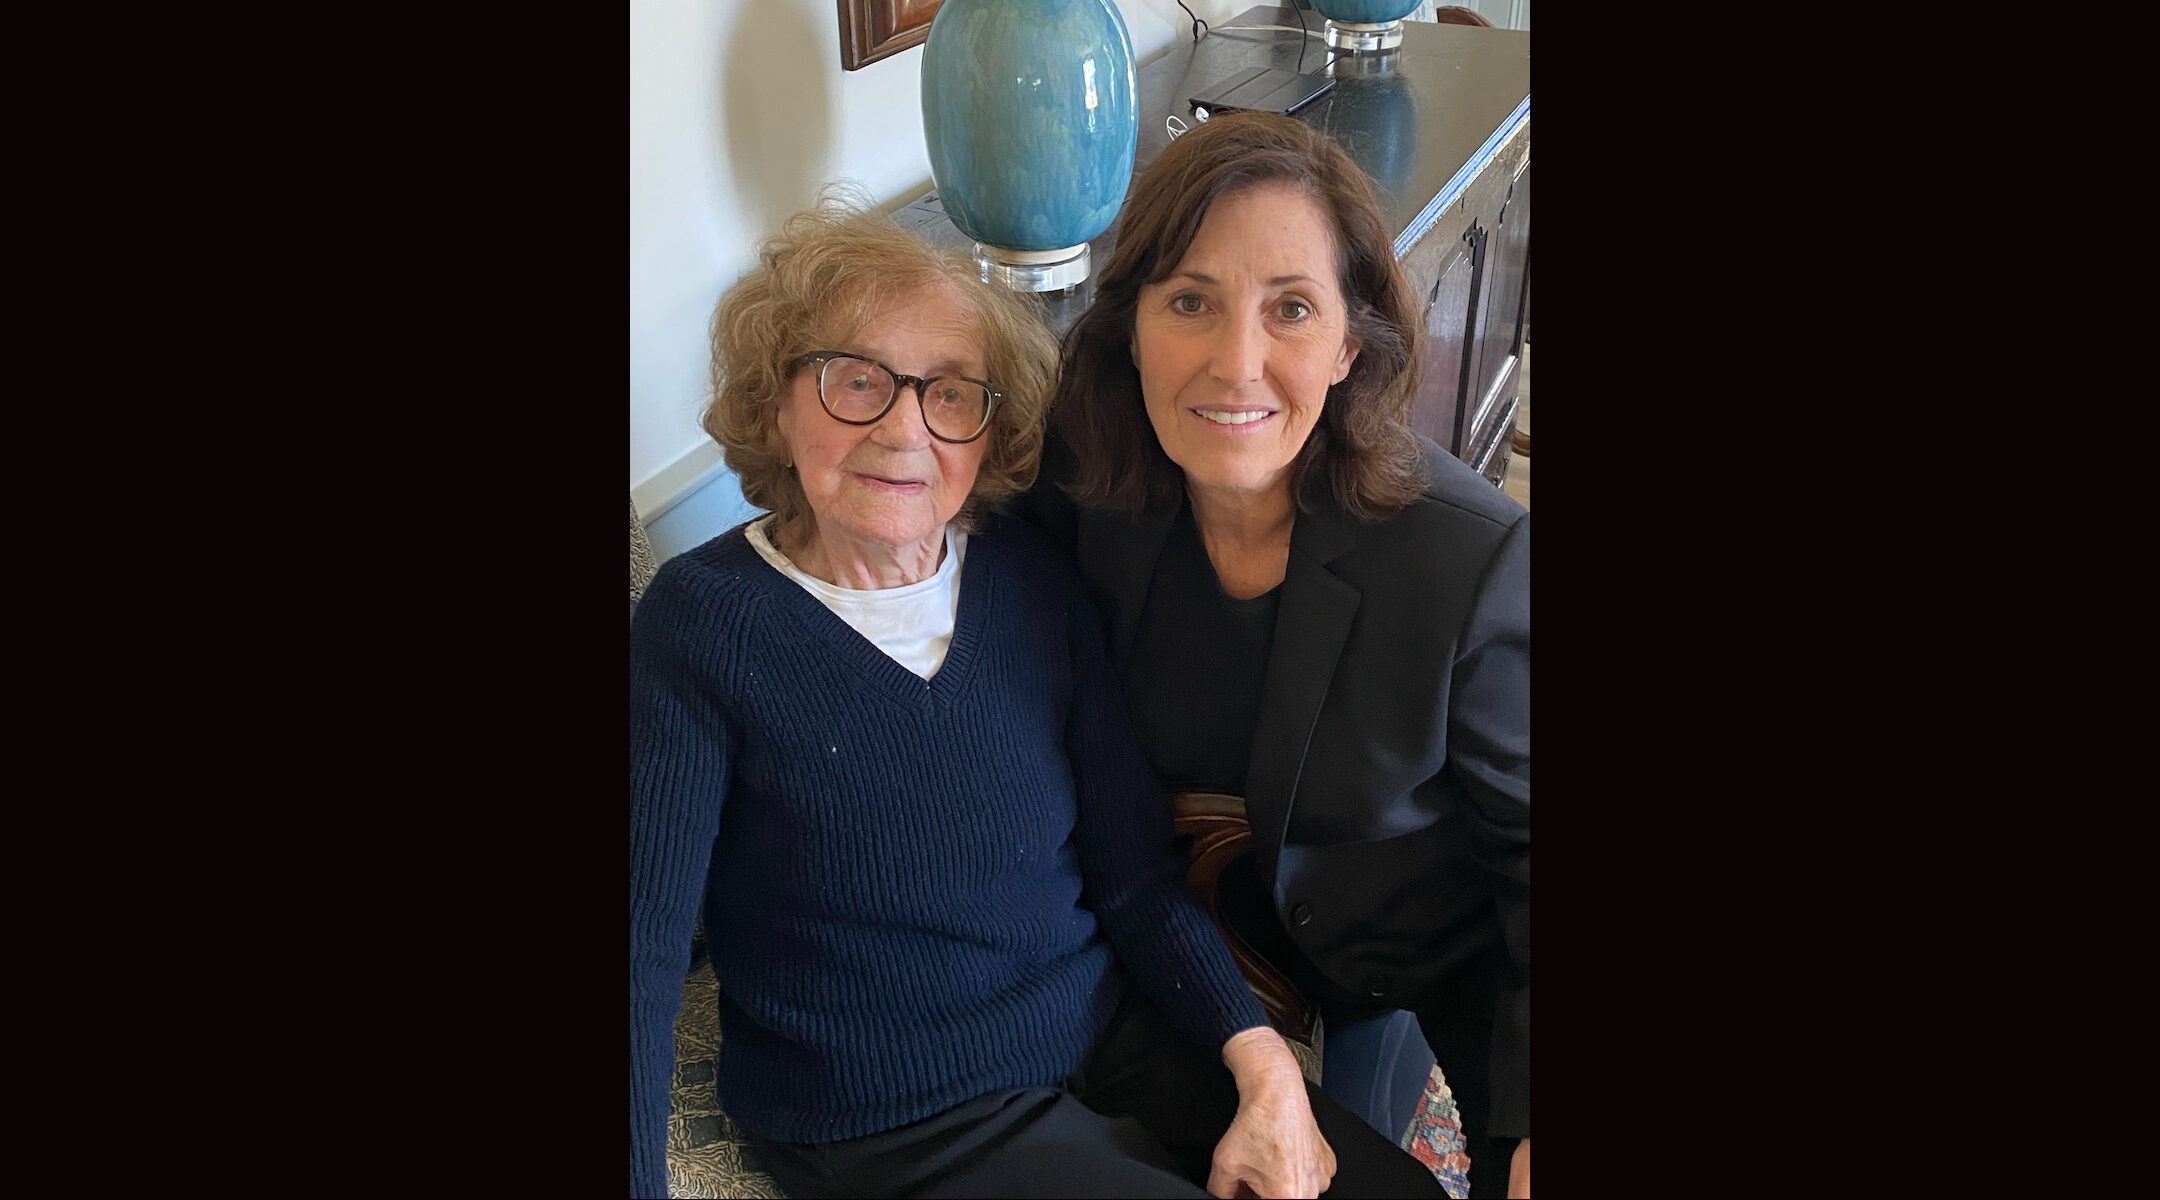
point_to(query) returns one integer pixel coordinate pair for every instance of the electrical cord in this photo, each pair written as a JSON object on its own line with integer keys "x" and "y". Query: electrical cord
{"x": 1199, "y": 25}
{"x": 1172, "y": 125}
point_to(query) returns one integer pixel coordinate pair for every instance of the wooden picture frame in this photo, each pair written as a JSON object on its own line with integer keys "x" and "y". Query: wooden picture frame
{"x": 875, "y": 29}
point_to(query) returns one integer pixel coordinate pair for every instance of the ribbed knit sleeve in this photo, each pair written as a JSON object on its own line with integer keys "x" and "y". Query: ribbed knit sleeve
{"x": 1135, "y": 878}
{"x": 679, "y": 750}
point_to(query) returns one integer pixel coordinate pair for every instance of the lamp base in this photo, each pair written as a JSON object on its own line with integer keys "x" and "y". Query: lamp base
{"x": 1364, "y": 66}
{"x": 1034, "y": 270}
{"x": 1352, "y": 37}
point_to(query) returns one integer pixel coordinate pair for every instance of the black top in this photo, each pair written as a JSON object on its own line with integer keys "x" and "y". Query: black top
{"x": 1195, "y": 682}
{"x": 1194, "y": 677}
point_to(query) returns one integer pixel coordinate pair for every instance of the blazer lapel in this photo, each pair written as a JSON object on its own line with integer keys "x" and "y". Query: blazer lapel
{"x": 1311, "y": 626}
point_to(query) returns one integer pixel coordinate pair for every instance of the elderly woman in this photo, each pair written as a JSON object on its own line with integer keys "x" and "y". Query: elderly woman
{"x": 874, "y": 733}
{"x": 1307, "y": 607}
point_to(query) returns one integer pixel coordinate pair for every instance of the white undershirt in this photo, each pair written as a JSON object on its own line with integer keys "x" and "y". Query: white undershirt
{"x": 912, "y": 624}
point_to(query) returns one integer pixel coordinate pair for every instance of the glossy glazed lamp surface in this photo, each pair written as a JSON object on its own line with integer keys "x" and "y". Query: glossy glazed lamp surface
{"x": 1365, "y": 12}
{"x": 1031, "y": 120}
{"x": 1364, "y": 26}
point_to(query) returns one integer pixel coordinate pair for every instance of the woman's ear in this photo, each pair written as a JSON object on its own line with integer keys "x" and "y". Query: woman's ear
{"x": 776, "y": 443}
{"x": 1350, "y": 347}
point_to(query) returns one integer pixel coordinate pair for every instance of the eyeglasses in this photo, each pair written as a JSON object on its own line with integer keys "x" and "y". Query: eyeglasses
{"x": 859, "y": 391}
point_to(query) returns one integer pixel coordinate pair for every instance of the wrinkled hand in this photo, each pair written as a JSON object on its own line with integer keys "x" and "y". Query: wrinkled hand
{"x": 1273, "y": 1148}
{"x": 1518, "y": 1180}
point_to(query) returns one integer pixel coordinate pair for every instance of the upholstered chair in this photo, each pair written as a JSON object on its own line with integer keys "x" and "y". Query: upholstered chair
{"x": 642, "y": 564}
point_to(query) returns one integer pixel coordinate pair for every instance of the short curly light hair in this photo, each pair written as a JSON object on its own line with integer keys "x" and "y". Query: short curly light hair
{"x": 819, "y": 281}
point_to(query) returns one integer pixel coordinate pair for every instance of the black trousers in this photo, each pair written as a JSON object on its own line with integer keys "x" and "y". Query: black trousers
{"x": 1141, "y": 1117}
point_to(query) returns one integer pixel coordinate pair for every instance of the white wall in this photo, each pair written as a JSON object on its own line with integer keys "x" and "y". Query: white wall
{"x": 1505, "y": 14}
{"x": 738, "y": 112}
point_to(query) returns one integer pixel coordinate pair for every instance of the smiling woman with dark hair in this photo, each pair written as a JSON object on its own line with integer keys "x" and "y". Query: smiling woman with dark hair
{"x": 875, "y": 733}
{"x": 1314, "y": 614}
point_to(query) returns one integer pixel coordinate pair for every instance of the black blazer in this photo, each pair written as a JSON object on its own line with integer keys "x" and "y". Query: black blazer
{"x": 1389, "y": 784}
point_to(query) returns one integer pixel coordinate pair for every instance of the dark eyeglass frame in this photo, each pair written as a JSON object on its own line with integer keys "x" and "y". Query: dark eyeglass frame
{"x": 818, "y": 359}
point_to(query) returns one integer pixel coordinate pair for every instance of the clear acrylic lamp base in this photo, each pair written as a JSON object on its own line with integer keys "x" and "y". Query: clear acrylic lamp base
{"x": 1355, "y": 38}
{"x": 1034, "y": 270}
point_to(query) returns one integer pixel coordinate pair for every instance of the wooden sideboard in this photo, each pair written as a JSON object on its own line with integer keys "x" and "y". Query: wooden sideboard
{"x": 1442, "y": 125}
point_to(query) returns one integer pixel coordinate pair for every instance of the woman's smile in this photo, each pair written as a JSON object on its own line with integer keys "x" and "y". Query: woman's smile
{"x": 1234, "y": 420}
{"x": 906, "y": 486}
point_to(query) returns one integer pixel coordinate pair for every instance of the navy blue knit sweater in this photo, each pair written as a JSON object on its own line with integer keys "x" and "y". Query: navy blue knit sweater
{"x": 915, "y": 890}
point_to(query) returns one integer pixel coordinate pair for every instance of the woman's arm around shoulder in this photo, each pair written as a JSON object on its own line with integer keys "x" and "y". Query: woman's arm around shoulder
{"x": 1045, "y": 506}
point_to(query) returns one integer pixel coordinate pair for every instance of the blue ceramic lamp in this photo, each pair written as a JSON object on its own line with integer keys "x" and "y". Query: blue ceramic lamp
{"x": 1031, "y": 118}
{"x": 1364, "y": 26}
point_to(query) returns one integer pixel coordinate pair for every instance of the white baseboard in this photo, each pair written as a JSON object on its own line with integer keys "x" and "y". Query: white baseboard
{"x": 690, "y": 501}
{"x": 668, "y": 486}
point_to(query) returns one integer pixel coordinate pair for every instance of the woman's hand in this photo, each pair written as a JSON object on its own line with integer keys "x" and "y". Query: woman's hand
{"x": 1273, "y": 1147}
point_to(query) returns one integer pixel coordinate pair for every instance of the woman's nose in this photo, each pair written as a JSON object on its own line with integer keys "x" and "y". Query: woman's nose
{"x": 902, "y": 427}
{"x": 1240, "y": 350}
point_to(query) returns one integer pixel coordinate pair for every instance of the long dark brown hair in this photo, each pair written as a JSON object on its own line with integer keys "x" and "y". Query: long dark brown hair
{"x": 1361, "y": 450}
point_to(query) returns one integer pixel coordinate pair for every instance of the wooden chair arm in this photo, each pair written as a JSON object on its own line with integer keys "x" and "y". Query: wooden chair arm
{"x": 1212, "y": 828}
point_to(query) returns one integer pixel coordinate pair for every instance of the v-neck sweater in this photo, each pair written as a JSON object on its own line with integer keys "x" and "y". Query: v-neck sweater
{"x": 911, "y": 623}
{"x": 916, "y": 891}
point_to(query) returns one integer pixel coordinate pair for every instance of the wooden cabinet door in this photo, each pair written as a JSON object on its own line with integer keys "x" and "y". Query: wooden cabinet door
{"x": 1497, "y": 339}
{"x": 1449, "y": 310}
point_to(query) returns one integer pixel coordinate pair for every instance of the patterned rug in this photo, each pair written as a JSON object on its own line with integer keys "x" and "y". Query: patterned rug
{"x": 707, "y": 1156}
{"x": 1435, "y": 1137}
